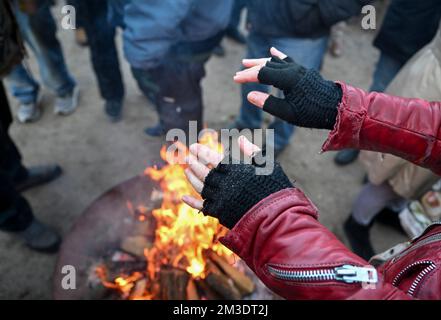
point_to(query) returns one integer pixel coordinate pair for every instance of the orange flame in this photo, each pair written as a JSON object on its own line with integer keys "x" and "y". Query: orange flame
{"x": 183, "y": 233}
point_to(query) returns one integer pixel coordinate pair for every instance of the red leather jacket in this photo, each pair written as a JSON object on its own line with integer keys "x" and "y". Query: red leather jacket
{"x": 298, "y": 258}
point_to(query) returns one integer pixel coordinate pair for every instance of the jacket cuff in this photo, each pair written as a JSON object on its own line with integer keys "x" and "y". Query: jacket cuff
{"x": 350, "y": 117}
{"x": 254, "y": 219}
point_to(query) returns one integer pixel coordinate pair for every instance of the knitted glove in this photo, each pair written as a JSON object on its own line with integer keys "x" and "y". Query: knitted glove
{"x": 310, "y": 101}
{"x": 230, "y": 190}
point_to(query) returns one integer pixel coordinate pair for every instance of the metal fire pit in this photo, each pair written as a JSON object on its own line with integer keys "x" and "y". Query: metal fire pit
{"x": 101, "y": 228}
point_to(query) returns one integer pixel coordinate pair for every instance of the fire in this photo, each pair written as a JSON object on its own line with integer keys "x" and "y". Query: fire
{"x": 182, "y": 234}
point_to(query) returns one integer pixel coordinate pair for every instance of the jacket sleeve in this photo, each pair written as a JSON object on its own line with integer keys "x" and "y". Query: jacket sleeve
{"x": 151, "y": 28}
{"x": 333, "y": 11}
{"x": 407, "y": 128}
{"x": 282, "y": 233}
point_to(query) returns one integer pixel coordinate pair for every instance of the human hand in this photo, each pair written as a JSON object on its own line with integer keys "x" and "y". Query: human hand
{"x": 229, "y": 190}
{"x": 310, "y": 101}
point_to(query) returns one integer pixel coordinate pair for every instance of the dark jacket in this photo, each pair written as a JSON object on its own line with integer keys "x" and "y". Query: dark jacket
{"x": 11, "y": 45}
{"x": 299, "y": 18}
{"x": 298, "y": 258}
{"x": 408, "y": 26}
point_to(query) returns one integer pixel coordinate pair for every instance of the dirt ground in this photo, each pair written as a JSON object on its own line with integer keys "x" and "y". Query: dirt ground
{"x": 96, "y": 154}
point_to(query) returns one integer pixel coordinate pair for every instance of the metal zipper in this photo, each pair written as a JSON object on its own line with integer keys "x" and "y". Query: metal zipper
{"x": 433, "y": 238}
{"x": 429, "y": 268}
{"x": 344, "y": 273}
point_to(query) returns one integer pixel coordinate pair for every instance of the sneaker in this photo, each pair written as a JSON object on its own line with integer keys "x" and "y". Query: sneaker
{"x": 67, "y": 104}
{"x": 40, "y": 237}
{"x": 113, "y": 109}
{"x": 346, "y": 157}
{"x": 358, "y": 236}
{"x": 29, "y": 112}
{"x": 38, "y": 176}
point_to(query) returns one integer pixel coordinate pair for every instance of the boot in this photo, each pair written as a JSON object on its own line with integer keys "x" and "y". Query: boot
{"x": 40, "y": 237}
{"x": 37, "y": 176}
{"x": 358, "y": 236}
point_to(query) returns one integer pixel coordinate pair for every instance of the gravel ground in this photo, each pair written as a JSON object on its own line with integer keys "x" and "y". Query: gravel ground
{"x": 96, "y": 154}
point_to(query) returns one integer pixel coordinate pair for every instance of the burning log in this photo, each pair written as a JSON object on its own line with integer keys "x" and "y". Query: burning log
{"x": 221, "y": 283}
{"x": 139, "y": 289}
{"x": 192, "y": 291}
{"x": 205, "y": 291}
{"x": 136, "y": 245}
{"x": 241, "y": 280}
{"x": 173, "y": 283}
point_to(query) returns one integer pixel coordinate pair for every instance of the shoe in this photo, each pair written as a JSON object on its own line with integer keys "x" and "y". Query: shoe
{"x": 67, "y": 104}
{"x": 156, "y": 131}
{"x": 346, "y": 157}
{"x": 236, "y": 35}
{"x": 358, "y": 236}
{"x": 29, "y": 112}
{"x": 219, "y": 51}
{"x": 391, "y": 219}
{"x": 113, "y": 110}
{"x": 38, "y": 176}
{"x": 40, "y": 237}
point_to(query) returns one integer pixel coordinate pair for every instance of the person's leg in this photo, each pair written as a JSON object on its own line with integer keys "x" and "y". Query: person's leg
{"x": 385, "y": 71}
{"x": 371, "y": 200}
{"x": 39, "y": 31}
{"x": 22, "y": 85}
{"x": 232, "y": 30}
{"x": 250, "y": 116}
{"x": 308, "y": 53}
{"x": 180, "y": 100}
{"x": 15, "y": 213}
{"x": 104, "y": 55}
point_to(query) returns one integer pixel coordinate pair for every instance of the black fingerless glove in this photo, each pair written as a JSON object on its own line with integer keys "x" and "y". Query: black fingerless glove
{"x": 310, "y": 101}
{"x": 230, "y": 190}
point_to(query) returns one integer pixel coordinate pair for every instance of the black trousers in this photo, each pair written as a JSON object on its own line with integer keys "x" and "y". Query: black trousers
{"x": 15, "y": 212}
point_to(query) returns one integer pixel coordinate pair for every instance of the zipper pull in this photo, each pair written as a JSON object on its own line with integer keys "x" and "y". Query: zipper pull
{"x": 351, "y": 274}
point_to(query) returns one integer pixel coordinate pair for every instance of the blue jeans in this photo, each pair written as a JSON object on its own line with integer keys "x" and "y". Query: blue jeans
{"x": 385, "y": 71}
{"x": 39, "y": 32}
{"x": 307, "y": 52}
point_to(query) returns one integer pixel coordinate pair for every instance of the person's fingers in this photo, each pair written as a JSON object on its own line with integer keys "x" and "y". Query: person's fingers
{"x": 247, "y": 147}
{"x": 193, "y": 202}
{"x": 258, "y": 98}
{"x": 249, "y": 63}
{"x": 199, "y": 169}
{"x": 279, "y": 54}
{"x": 197, "y": 184}
{"x": 205, "y": 155}
{"x": 248, "y": 75}
{"x": 281, "y": 109}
